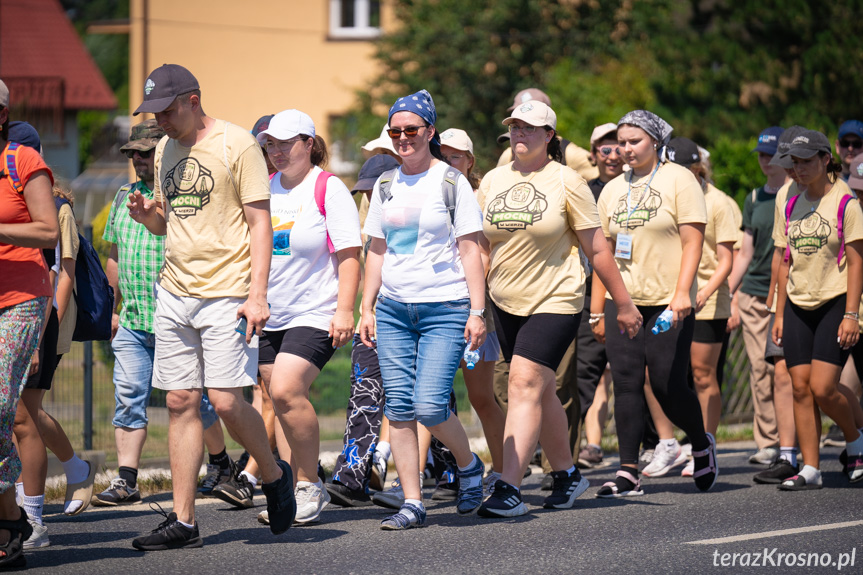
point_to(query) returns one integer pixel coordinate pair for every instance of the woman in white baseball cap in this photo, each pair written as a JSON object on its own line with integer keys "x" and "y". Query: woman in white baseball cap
{"x": 314, "y": 278}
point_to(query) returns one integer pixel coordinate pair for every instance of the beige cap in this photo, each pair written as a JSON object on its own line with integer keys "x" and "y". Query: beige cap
{"x": 602, "y": 131}
{"x": 382, "y": 141}
{"x": 528, "y": 95}
{"x": 458, "y": 139}
{"x": 4, "y": 95}
{"x": 535, "y": 113}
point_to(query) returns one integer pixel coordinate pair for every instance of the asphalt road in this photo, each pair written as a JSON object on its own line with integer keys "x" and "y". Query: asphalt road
{"x": 668, "y": 530}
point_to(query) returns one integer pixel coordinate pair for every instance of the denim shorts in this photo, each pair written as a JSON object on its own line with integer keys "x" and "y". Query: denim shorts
{"x": 420, "y": 346}
{"x": 133, "y": 375}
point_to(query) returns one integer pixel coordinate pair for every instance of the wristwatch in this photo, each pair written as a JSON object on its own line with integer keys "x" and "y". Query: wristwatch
{"x": 478, "y": 312}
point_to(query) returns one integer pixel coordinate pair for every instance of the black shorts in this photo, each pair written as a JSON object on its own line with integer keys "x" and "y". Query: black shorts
{"x": 47, "y": 356}
{"x": 542, "y": 337}
{"x": 709, "y": 330}
{"x": 309, "y": 343}
{"x": 809, "y": 335}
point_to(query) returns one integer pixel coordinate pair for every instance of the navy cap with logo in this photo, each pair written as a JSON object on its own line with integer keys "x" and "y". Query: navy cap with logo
{"x": 781, "y": 157}
{"x": 682, "y": 151}
{"x": 768, "y": 140}
{"x": 808, "y": 144}
{"x": 162, "y": 87}
{"x": 851, "y": 128}
{"x": 372, "y": 170}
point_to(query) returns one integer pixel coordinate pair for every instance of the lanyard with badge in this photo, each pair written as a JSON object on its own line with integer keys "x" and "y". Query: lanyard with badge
{"x": 623, "y": 243}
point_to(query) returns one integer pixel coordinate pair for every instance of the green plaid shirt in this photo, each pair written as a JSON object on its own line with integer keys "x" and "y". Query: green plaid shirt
{"x": 141, "y": 255}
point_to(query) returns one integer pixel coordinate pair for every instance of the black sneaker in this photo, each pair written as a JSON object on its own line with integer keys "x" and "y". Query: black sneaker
{"x": 565, "y": 489}
{"x": 281, "y": 503}
{"x": 118, "y": 493}
{"x": 342, "y": 495}
{"x": 778, "y": 472}
{"x": 446, "y": 489}
{"x": 170, "y": 534}
{"x": 214, "y": 477}
{"x": 243, "y": 460}
{"x": 236, "y": 490}
{"x": 505, "y": 501}
{"x": 547, "y": 483}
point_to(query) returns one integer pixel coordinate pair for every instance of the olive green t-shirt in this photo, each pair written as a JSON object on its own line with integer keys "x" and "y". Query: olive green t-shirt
{"x": 758, "y": 215}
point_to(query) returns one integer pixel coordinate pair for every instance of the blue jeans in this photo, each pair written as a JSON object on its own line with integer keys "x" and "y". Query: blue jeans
{"x": 420, "y": 346}
{"x": 133, "y": 376}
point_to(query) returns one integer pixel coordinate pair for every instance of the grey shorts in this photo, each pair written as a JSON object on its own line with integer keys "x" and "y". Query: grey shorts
{"x": 773, "y": 351}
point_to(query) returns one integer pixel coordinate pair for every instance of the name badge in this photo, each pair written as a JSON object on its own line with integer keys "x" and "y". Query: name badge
{"x": 623, "y": 247}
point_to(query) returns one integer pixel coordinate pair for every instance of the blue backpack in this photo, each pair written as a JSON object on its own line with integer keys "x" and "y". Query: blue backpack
{"x": 93, "y": 294}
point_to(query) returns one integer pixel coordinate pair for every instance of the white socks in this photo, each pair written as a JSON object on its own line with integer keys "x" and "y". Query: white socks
{"x": 789, "y": 454}
{"x": 410, "y": 514}
{"x": 811, "y": 475}
{"x": 252, "y": 479}
{"x": 76, "y": 470}
{"x": 383, "y": 450}
{"x": 33, "y": 506}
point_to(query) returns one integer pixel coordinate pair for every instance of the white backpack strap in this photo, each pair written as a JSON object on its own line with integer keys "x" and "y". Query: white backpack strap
{"x": 225, "y": 158}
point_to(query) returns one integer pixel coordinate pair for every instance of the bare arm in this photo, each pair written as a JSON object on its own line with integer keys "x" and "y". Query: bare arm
{"x": 471, "y": 261}
{"x": 43, "y": 231}
{"x": 781, "y": 296}
{"x": 742, "y": 259}
{"x": 342, "y": 324}
{"x": 775, "y": 264}
{"x": 597, "y": 302}
{"x": 692, "y": 240}
{"x": 112, "y": 271}
{"x": 371, "y": 287}
{"x": 849, "y": 329}
{"x": 65, "y": 285}
{"x": 723, "y": 268}
{"x": 255, "y": 308}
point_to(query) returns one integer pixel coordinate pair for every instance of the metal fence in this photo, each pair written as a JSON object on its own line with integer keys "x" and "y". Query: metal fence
{"x": 82, "y": 397}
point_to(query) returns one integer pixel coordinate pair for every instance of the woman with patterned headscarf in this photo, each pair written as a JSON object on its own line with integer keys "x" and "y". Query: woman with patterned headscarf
{"x": 654, "y": 217}
{"x": 424, "y": 272}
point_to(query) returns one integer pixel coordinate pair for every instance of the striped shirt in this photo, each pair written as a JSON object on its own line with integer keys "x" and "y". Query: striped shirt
{"x": 141, "y": 255}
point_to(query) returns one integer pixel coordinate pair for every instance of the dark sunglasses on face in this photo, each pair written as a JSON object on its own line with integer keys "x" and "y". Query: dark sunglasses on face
{"x": 143, "y": 153}
{"x": 607, "y": 150}
{"x": 853, "y": 144}
{"x": 410, "y": 131}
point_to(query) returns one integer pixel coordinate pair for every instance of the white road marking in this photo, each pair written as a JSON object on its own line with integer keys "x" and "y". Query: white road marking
{"x": 779, "y": 533}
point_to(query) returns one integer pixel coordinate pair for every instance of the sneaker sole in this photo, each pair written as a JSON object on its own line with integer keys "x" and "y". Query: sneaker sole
{"x": 444, "y": 495}
{"x": 520, "y": 509}
{"x": 346, "y": 501}
{"x": 38, "y": 544}
{"x": 96, "y": 502}
{"x": 621, "y": 495}
{"x": 388, "y": 503}
{"x": 263, "y": 520}
{"x": 191, "y": 543}
{"x": 579, "y": 490}
{"x": 228, "y": 498}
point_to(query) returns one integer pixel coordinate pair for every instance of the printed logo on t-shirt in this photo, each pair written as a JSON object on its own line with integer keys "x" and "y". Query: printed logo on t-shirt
{"x": 517, "y": 208}
{"x": 283, "y": 222}
{"x": 187, "y": 187}
{"x": 809, "y": 234}
{"x": 644, "y": 207}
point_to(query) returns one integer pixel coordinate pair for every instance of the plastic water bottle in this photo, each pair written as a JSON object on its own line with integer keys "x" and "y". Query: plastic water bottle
{"x": 470, "y": 357}
{"x": 663, "y": 322}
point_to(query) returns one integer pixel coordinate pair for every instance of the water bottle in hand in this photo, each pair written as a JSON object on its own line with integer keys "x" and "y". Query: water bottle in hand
{"x": 470, "y": 357}
{"x": 663, "y": 322}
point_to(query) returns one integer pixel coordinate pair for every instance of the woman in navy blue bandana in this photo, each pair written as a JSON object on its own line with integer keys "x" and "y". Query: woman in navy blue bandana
{"x": 425, "y": 272}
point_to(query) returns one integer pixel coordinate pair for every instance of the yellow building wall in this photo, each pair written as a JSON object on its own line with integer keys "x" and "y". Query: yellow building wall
{"x": 251, "y": 57}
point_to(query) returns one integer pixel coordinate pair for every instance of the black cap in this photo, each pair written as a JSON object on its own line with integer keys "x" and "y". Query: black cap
{"x": 372, "y": 170}
{"x": 162, "y": 87}
{"x": 808, "y": 144}
{"x": 781, "y": 157}
{"x": 682, "y": 151}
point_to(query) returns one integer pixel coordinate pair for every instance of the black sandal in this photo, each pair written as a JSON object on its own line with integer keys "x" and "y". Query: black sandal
{"x": 19, "y": 531}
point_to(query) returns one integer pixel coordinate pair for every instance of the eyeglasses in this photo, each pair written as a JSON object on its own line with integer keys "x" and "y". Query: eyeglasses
{"x": 409, "y": 131}
{"x": 523, "y": 129}
{"x": 145, "y": 154}
{"x": 853, "y": 144}
{"x": 281, "y": 147}
{"x": 454, "y": 158}
{"x": 607, "y": 150}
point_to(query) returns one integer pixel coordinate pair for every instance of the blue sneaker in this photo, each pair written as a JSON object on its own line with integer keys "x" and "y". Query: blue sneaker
{"x": 415, "y": 517}
{"x": 470, "y": 487}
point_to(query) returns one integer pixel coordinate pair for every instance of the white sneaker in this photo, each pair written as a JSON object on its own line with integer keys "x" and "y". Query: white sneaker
{"x": 664, "y": 460}
{"x": 488, "y": 482}
{"x": 264, "y": 517}
{"x": 392, "y": 498}
{"x": 39, "y": 537}
{"x": 311, "y": 500}
{"x": 378, "y": 477}
{"x": 645, "y": 457}
{"x": 689, "y": 469}
{"x": 764, "y": 456}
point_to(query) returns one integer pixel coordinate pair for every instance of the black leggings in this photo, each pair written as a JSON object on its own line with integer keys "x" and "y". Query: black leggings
{"x": 666, "y": 357}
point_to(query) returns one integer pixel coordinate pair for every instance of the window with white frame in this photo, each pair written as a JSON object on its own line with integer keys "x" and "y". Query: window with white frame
{"x": 355, "y": 19}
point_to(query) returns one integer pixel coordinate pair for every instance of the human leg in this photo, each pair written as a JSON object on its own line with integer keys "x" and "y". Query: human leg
{"x": 480, "y": 390}
{"x": 704, "y": 360}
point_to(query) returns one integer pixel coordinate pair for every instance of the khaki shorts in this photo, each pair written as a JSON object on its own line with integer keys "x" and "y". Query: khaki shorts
{"x": 196, "y": 345}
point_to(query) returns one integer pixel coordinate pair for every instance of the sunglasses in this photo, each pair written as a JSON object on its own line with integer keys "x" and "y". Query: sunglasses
{"x": 410, "y": 131}
{"x": 853, "y": 144}
{"x": 143, "y": 153}
{"x": 607, "y": 150}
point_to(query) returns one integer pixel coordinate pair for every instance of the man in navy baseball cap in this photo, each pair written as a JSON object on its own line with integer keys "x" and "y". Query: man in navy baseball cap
{"x": 849, "y": 144}
{"x": 162, "y": 87}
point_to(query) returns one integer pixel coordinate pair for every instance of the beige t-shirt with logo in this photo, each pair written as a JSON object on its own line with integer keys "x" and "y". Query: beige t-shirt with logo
{"x": 530, "y": 221}
{"x": 721, "y": 228}
{"x": 208, "y": 245}
{"x": 737, "y": 214}
{"x": 814, "y": 277}
{"x": 674, "y": 197}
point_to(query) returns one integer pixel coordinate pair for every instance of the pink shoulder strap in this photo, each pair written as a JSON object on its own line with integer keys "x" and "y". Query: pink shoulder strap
{"x": 789, "y": 207}
{"x": 840, "y": 221}
{"x": 320, "y": 200}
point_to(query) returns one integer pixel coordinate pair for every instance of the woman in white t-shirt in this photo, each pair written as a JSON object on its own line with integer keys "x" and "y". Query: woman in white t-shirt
{"x": 314, "y": 277}
{"x": 424, "y": 269}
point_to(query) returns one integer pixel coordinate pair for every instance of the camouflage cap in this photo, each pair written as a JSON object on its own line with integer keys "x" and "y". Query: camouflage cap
{"x": 144, "y": 136}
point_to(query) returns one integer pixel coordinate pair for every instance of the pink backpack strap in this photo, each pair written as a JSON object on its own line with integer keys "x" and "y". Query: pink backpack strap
{"x": 840, "y": 220}
{"x": 789, "y": 207}
{"x": 320, "y": 200}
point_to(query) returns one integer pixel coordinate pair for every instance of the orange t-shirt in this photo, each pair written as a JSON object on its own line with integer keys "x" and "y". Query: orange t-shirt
{"x": 23, "y": 274}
